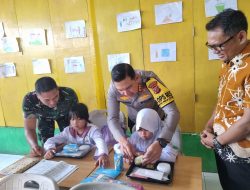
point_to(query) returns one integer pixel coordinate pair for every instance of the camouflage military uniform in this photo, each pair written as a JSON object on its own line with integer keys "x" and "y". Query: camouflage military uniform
{"x": 47, "y": 116}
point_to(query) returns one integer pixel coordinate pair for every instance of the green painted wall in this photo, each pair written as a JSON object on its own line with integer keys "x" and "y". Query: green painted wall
{"x": 13, "y": 142}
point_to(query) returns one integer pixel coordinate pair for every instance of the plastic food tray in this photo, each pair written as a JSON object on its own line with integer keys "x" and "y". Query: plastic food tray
{"x": 170, "y": 176}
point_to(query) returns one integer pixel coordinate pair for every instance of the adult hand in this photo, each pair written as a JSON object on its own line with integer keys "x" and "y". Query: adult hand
{"x": 153, "y": 153}
{"x": 127, "y": 149}
{"x": 209, "y": 125}
{"x": 207, "y": 139}
{"x": 36, "y": 151}
{"x": 209, "y": 128}
{"x": 103, "y": 161}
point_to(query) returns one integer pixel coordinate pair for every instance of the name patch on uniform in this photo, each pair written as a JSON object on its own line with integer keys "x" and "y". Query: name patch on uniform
{"x": 161, "y": 94}
{"x": 124, "y": 98}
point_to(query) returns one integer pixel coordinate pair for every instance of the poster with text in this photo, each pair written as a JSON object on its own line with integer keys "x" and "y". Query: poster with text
{"x": 213, "y": 7}
{"x": 128, "y": 21}
{"x": 168, "y": 13}
{"x": 163, "y": 52}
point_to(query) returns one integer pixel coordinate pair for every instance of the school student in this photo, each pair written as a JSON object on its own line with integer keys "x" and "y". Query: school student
{"x": 80, "y": 131}
{"x": 148, "y": 127}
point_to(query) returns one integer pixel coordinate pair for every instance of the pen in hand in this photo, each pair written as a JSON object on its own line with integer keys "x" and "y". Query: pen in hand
{"x": 53, "y": 151}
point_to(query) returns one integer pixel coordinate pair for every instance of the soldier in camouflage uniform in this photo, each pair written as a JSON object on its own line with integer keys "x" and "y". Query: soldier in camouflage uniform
{"x": 42, "y": 107}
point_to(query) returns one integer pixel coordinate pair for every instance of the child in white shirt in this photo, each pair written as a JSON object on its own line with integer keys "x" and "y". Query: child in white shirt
{"x": 80, "y": 131}
{"x": 148, "y": 128}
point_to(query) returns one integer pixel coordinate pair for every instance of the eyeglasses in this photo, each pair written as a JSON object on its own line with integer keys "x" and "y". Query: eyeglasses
{"x": 219, "y": 47}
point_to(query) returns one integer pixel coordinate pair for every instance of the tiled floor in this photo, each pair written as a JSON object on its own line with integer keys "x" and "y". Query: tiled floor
{"x": 211, "y": 181}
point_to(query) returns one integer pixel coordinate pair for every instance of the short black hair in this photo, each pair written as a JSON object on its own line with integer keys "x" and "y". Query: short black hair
{"x": 230, "y": 21}
{"x": 45, "y": 84}
{"x": 79, "y": 110}
{"x": 121, "y": 71}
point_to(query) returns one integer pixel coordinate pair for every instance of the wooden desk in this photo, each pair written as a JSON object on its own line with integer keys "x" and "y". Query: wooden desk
{"x": 86, "y": 166}
{"x": 187, "y": 175}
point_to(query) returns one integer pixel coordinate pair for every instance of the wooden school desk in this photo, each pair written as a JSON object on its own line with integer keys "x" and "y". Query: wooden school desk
{"x": 187, "y": 176}
{"x": 86, "y": 166}
{"x": 187, "y": 173}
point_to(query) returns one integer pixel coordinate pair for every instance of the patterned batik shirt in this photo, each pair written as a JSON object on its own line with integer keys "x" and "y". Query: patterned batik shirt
{"x": 233, "y": 97}
{"x": 33, "y": 107}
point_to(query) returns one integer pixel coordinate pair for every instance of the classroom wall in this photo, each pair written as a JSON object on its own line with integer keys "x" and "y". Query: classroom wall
{"x": 192, "y": 78}
{"x": 20, "y": 16}
{"x": 178, "y": 75}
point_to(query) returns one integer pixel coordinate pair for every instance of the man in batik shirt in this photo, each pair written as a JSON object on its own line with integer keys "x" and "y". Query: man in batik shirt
{"x": 228, "y": 130}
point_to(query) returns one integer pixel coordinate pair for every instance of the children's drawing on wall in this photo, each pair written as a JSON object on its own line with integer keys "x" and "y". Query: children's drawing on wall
{"x": 213, "y": 7}
{"x": 163, "y": 52}
{"x": 2, "y": 32}
{"x": 168, "y": 13}
{"x": 75, "y": 29}
{"x": 9, "y": 45}
{"x": 74, "y": 64}
{"x": 35, "y": 36}
{"x": 7, "y": 70}
{"x": 41, "y": 66}
{"x": 211, "y": 55}
{"x": 114, "y": 59}
{"x": 128, "y": 21}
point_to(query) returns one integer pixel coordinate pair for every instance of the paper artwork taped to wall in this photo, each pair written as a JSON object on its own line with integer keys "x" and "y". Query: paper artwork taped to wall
{"x": 35, "y": 37}
{"x": 114, "y": 59}
{"x": 163, "y": 52}
{"x": 7, "y": 70}
{"x": 213, "y": 7}
{"x": 128, "y": 21}
{"x": 168, "y": 13}
{"x": 9, "y": 45}
{"x": 75, "y": 29}
{"x": 74, "y": 64}
{"x": 41, "y": 66}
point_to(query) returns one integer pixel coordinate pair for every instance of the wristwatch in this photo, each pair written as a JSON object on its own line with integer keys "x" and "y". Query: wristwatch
{"x": 163, "y": 142}
{"x": 217, "y": 144}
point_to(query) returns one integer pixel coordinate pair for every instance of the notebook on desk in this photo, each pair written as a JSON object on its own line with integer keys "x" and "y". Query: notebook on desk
{"x": 55, "y": 170}
{"x": 80, "y": 153}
